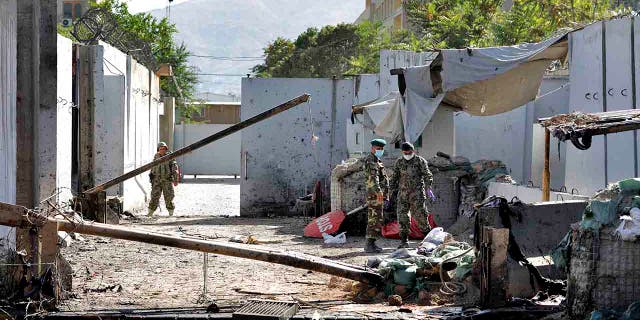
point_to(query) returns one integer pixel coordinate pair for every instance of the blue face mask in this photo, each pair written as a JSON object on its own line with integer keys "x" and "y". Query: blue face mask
{"x": 379, "y": 153}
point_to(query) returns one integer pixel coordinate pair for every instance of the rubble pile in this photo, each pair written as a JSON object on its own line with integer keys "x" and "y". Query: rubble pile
{"x": 459, "y": 184}
{"x": 438, "y": 271}
{"x": 601, "y": 252}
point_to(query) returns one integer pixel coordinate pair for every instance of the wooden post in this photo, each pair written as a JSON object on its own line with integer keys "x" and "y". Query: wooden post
{"x": 493, "y": 264}
{"x": 546, "y": 173}
{"x": 16, "y": 216}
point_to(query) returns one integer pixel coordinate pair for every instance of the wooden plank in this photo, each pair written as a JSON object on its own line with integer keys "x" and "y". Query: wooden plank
{"x": 18, "y": 216}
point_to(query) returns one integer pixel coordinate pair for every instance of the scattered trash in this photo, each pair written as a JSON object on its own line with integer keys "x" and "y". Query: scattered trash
{"x": 328, "y": 223}
{"x": 244, "y": 239}
{"x": 629, "y": 228}
{"x": 110, "y": 288}
{"x": 395, "y": 300}
{"x": 338, "y": 239}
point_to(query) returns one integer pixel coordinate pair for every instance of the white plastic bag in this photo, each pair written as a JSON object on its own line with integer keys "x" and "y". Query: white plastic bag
{"x": 437, "y": 236}
{"x": 337, "y": 239}
{"x": 629, "y": 228}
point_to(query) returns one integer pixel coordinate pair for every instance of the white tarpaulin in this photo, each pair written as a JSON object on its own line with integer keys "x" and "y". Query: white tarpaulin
{"x": 483, "y": 82}
{"x": 384, "y": 117}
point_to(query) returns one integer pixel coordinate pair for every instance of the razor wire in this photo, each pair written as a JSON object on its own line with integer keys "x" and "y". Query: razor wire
{"x": 98, "y": 24}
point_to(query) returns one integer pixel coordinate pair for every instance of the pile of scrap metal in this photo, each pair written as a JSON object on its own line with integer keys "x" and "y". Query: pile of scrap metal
{"x": 601, "y": 254}
{"x": 581, "y": 127}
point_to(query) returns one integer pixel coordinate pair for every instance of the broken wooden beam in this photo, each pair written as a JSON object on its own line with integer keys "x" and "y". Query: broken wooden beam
{"x": 16, "y": 216}
{"x": 201, "y": 143}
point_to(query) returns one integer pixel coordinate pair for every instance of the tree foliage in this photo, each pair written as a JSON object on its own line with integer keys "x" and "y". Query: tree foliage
{"x": 332, "y": 51}
{"x": 477, "y": 23}
{"x": 355, "y": 49}
{"x": 158, "y": 33}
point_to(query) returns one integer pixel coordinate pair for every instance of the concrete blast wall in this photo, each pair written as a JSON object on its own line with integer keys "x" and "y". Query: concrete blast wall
{"x": 8, "y": 31}
{"x": 604, "y": 68}
{"x": 64, "y": 119}
{"x": 127, "y": 109}
{"x": 219, "y": 158}
{"x": 281, "y": 161}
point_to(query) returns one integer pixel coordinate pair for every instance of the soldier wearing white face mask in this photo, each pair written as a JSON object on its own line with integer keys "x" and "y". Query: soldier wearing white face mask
{"x": 411, "y": 177}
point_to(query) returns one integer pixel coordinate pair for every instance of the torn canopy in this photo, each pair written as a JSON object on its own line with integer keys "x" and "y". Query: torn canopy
{"x": 481, "y": 82}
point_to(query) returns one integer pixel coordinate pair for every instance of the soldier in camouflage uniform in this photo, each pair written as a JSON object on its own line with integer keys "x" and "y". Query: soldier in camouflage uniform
{"x": 410, "y": 177}
{"x": 162, "y": 177}
{"x": 377, "y": 186}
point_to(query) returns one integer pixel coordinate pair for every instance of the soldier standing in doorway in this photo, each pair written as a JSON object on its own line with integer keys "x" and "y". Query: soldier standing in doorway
{"x": 377, "y": 185}
{"x": 410, "y": 177}
{"x": 163, "y": 177}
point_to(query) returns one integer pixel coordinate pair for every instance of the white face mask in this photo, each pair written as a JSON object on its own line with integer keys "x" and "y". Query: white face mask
{"x": 408, "y": 156}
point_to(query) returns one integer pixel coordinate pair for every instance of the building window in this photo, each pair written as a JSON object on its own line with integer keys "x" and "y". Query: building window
{"x": 357, "y": 138}
{"x": 77, "y": 10}
{"x": 67, "y": 10}
{"x": 72, "y": 9}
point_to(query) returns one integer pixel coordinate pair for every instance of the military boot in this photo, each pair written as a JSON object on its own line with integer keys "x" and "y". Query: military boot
{"x": 170, "y": 212}
{"x": 404, "y": 242}
{"x": 150, "y": 213}
{"x": 371, "y": 247}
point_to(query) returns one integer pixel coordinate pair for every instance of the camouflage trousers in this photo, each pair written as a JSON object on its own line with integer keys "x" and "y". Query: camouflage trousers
{"x": 375, "y": 218}
{"x": 159, "y": 188}
{"x": 412, "y": 206}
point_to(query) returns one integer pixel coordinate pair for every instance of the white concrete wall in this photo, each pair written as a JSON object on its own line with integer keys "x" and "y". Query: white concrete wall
{"x": 142, "y": 138}
{"x": 606, "y": 72}
{"x": 528, "y": 194}
{"x": 510, "y": 136}
{"x": 282, "y": 161}
{"x": 126, "y": 123}
{"x": 218, "y": 158}
{"x": 499, "y": 137}
{"x": 8, "y": 31}
{"x": 64, "y": 118}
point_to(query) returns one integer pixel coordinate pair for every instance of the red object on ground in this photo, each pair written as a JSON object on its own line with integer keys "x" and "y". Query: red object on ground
{"x": 328, "y": 223}
{"x": 392, "y": 229}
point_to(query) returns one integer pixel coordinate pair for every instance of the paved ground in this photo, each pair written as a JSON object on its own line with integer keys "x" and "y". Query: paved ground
{"x": 206, "y": 196}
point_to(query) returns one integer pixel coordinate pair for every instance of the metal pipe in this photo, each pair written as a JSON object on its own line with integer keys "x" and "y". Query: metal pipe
{"x": 546, "y": 173}
{"x": 198, "y": 144}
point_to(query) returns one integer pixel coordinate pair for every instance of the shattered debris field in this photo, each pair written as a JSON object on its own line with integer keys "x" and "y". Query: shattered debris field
{"x": 123, "y": 274}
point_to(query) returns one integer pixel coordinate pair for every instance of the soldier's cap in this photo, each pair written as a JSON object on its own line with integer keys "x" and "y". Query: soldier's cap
{"x": 378, "y": 142}
{"x": 161, "y": 144}
{"x": 407, "y": 146}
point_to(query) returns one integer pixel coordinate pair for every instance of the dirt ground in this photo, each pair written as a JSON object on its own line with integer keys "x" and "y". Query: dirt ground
{"x": 113, "y": 274}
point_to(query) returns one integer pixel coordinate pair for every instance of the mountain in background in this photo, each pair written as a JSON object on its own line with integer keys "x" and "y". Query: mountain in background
{"x": 242, "y": 28}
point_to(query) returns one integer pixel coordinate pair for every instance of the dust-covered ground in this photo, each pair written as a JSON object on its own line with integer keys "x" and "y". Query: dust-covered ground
{"x": 114, "y": 274}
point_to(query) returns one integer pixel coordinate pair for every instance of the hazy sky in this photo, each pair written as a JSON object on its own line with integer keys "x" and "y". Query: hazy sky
{"x": 147, "y": 5}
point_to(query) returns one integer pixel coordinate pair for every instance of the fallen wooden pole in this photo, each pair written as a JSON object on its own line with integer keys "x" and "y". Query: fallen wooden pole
{"x": 201, "y": 143}
{"x": 16, "y": 216}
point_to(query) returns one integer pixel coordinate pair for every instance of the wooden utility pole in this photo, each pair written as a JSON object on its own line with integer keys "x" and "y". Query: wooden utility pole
{"x": 546, "y": 173}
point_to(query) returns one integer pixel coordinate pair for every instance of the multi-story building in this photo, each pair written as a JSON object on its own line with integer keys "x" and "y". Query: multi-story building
{"x": 71, "y": 9}
{"x": 391, "y": 13}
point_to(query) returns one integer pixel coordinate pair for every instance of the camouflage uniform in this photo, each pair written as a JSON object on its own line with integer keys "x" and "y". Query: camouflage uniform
{"x": 377, "y": 182}
{"x": 162, "y": 177}
{"x": 409, "y": 179}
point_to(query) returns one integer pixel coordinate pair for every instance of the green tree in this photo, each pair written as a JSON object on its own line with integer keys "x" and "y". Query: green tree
{"x": 159, "y": 35}
{"x": 333, "y": 50}
{"x": 532, "y": 21}
{"x": 477, "y": 23}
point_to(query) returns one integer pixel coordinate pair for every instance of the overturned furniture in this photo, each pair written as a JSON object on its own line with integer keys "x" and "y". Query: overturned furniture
{"x": 93, "y": 202}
